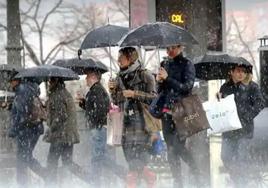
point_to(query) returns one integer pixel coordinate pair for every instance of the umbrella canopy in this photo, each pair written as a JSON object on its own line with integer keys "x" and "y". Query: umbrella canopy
{"x": 104, "y": 36}
{"x": 217, "y": 66}
{"x": 9, "y": 68}
{"x": 44, "y": 72}
{"x": 81, "y": 66}
{"x": 159, "y": 34}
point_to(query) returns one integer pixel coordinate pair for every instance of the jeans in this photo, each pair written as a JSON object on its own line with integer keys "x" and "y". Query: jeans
{"x": 25, "y": 146}
{"x": 176, "y": 149}
{"x": 100, "y": 159}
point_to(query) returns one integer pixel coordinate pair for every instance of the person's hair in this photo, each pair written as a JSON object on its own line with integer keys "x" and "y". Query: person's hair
{"x": 130, "y": 52}
{"x": 59, "y": 81}
{"x": 247, "y": 79}
{"x": 248, "y": 72}
{"x": 98, "y": 74}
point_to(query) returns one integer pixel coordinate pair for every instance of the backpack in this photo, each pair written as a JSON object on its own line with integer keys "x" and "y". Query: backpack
{"x": 37, "y": 113}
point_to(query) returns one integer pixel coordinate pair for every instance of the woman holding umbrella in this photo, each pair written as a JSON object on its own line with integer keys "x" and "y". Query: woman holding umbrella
{"x": 175, "y": 81}
{"x": 133, "y": 79}
{"x": 249, "y": 103}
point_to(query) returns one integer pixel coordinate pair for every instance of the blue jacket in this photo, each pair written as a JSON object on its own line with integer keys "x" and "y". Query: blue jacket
{"x": 180, "y": 80}
{"x": 22, "y": 104}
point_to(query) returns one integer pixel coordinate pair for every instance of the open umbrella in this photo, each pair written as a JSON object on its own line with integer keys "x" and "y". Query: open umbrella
{"x": 159, "y": 34}
{"x": 217, "y": 66}
{"x": 44, "y": 72}
{"x": 80, "y": 66}
{"x": 9, "y": 68}
{"x": 105, "y": 36}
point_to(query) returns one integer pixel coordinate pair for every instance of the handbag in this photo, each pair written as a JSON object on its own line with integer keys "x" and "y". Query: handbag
{"x": 222, "y": 115}
{"x": 152, "y": 125}
{"x": 189, "y": 116}
{"x": 114, "y": 126}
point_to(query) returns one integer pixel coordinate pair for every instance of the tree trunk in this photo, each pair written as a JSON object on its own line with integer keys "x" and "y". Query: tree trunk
{"x": 13, "y": 33}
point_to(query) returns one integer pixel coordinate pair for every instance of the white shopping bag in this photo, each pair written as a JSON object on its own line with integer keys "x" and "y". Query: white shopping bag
{"x": 114, "y": 126}
{"x": 222, "y": 115}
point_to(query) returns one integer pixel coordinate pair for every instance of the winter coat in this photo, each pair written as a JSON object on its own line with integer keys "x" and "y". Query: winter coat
{"x": 140, "y": 80}
{"x": 180, "y": 80}
{"x": 21, "y": 108}
{"x": 249, "y": 102}
{"x": 96, "y": 105}
{"x": 61, "y": 118}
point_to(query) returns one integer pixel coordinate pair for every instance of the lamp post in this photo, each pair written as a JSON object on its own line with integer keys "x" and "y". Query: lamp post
{"x": 263, "y": 49}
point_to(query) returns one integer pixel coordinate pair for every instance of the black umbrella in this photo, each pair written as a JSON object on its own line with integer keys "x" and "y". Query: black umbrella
{"x": 159, "y": 34}
{"x": 44, "y": 72}
{"x": 9, "y": 68}
{"x": 243, "y": 62}
{"x": 217, "y": 66}
{"x": 80, "y": 66}
{"x": 104, "y": 36}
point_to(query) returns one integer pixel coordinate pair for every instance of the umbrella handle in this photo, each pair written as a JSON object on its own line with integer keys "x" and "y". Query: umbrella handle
{"x": 79, "y": 54}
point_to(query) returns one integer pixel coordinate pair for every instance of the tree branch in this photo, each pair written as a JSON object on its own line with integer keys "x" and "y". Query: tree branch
{"x": 62, "y": 43}
{"x": 37, "y": 9}
{"x": 49, "y": 13}
{"x": 3, "y": 26}
{"x": 246, "y": 46}
{"x": 31, "y": 52}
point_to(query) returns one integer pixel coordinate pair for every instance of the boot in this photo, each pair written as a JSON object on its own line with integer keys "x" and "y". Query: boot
{"x": 150, "y": 177}
{"x": 132, "y": 178}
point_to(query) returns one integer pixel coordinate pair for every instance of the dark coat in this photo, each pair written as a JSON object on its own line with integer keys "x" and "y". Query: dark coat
{"x": 249, "y": 102}
{"x": 96, "y": 105}
{"x": 140, "y": 80}
{"x": 21, "y": 106}
{"x": 180, "y": 80}
{"x": 61, "y": 117}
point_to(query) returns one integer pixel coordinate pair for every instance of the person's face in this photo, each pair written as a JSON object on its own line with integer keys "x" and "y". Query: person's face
{"x": 90, "y": 78}
{"x": 51, "y": 83}
{"x": 238, "y": 74}
{"x": 173, "y": 51}
{"x": 123, "y": 61}
{"x": 14, "y": 83}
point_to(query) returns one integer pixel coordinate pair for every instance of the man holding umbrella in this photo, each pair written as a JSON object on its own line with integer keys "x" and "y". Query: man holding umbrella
{"x": 97, "y": 104}
{"x": 175, "y": 81}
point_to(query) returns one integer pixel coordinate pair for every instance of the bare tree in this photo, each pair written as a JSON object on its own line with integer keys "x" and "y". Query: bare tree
{"x": 239, "y": 43}
{"x": 53, "y": 29}
{"x": 120, "y": 6}
{"x": 62, "y": 25}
